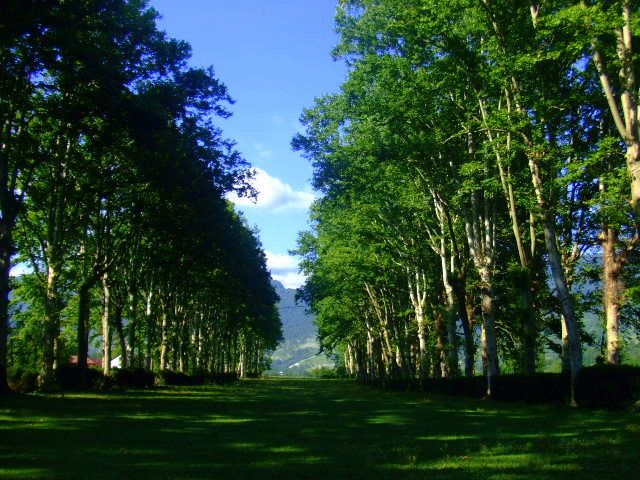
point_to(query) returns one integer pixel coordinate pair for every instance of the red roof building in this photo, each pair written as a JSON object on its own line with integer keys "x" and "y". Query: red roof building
{"x": 91, "y": 362}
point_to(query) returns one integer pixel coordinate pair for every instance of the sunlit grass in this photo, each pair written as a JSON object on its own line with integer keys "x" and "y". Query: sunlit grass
{"x": 289, "y": 428}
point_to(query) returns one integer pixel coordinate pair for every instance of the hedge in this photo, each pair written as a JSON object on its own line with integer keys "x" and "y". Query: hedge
{"x": 609, "y": 387}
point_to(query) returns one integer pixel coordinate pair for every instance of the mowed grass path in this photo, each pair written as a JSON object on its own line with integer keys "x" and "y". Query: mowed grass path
{"x": 287, "y": 428}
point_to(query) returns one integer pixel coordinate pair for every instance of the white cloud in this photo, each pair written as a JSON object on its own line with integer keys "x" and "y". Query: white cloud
{"x": 284, "y": 268}
{"x": 276, "y": 120}
{"x": 277, "y": 262}
{"x": 290, "y": 280}
{"x": 274, "y": 194}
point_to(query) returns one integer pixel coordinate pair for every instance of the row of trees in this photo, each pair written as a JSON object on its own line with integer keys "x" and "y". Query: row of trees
{"x": 112, "y": 184}
{"x": 480, "y": 166}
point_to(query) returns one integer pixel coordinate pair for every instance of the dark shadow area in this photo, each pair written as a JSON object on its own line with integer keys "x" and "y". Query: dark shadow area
{"x": 289, "y": 428}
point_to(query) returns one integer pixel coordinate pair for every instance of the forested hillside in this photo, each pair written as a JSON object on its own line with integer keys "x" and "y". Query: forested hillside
{"x": 299, "y": 351}
{"x": 477, "y": 151}
{"x": 113, "y": 177}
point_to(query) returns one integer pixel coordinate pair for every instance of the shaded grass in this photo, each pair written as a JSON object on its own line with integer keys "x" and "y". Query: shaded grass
{"x": 306, "y": 428}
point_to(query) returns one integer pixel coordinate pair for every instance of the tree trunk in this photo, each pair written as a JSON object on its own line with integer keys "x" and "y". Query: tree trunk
{"x": 566, "y": 301}
{"x": 417, "y": 294}
{"x": 452, "y": 313}
{"x": 565, "y": 358}
{"x": 612, "y": 289}
{"x": 5, "y": 268}
{"x": 564, "y": 296}
{"x": 83, "y": 324}
{"x": 480, "y": 230}
{"x": 242, "y": 360}
{"x": 633, "y": 166}
{"x": 148, "y": 343}
{"x": 51, "y": 324}
{"x": 361, "y": 362}
{"x": 371, "y": 364}
{"x": 352, "y": 364}
{"x": 528, "y": 325}
{"x": 382, "y": 313}
{"x": 441, "y": 366}
{"x": 117, "y": 322}
{"x": 197, "y": 347}
{"x": 452, "y": 337}
{"x": 467, "y": 327}
{"x": 489, "y": 344}
{"x": 12, "y": 133}
{"x": 133, "y": 317}
{"x": 422, "y": 348}
{"x": 164, "y": 345}
{"x": 174, "y": 353}
{"x": 448, "y": 270}
{"x": 388, "y": 354}
{"x": 106, "y": 327}
{"x": 402, "y": 358}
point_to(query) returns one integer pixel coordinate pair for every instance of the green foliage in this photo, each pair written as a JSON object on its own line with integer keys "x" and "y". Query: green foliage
{"x": 27, "y": 329}
{"x": 329, "y": 372}
{"x": 469, "y": 148}
{"x": 22, "y": 380}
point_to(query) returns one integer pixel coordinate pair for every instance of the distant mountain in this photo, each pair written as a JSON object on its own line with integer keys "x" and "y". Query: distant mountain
{"x": 297, "y": 354}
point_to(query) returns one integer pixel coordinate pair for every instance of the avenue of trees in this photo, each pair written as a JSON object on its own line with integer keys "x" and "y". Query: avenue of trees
{"x": 480, "y": 181}
{"x": 112, "y": 183}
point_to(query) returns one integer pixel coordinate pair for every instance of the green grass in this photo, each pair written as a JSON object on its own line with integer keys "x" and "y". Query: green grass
{"x": 307, "y": 428}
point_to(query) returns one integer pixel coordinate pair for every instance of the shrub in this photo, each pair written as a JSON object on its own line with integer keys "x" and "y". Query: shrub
{"x": 537, "y": 388}
{"x": 21, "y": 380}
{"x": 326, "y": 372}
{"x": 221, "y": 378}
{"x": 613, "y": 387}
{"x": 602, "y": 386}
{"x": 167, "y": 377}
{"x": 472, "y": 387}
{"x": 133, "y": 378}
{"x": 72, "y": 377}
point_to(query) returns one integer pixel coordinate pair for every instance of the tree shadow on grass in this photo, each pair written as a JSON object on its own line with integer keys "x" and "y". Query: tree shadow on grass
{"x": 283, "y": 428}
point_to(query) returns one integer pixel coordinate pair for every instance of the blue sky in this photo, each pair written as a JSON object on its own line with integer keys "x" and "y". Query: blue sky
{"x": 274, "y": 57}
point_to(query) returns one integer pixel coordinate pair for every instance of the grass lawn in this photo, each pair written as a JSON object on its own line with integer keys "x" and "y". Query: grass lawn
{"x": 302, "y": 428}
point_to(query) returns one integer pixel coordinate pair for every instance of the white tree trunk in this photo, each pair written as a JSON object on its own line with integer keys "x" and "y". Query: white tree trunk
{"x": 480, "y": 230}
{"x": 106, "y": 327}
{"x": 164, "y": 344}
{"x": 612, "y": 289}
{"x": 633, "y": 165}
{"x": 417, "y": 294}
{"x": 490, "y": 345}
